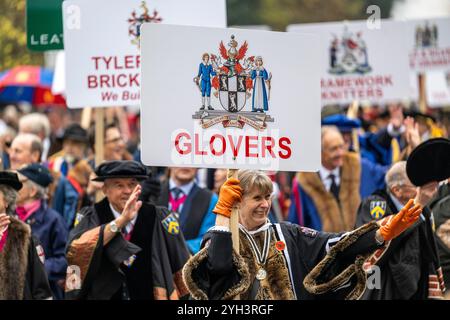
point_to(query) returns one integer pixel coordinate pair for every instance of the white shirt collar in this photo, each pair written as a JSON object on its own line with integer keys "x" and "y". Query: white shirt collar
{"x": 186, "y": 188}
{"x": 325, "y": 173}
{"x": 116, "y": 214}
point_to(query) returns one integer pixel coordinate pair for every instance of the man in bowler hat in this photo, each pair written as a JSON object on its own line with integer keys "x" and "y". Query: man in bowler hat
{"x": 123, "y": 248}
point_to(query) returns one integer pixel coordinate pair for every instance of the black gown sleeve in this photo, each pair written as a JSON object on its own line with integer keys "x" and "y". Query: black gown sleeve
{"x": 338, "y": 260}
{"x": 220, "y": 261}
{"x": 37, "y": 286}
{"x": 314, "y": 245}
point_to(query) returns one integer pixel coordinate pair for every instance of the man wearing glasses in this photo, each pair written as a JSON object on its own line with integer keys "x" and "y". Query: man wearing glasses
{"x": 385, "y": 202}
{"x": 114, "y": 147}
{"x": 408, "y": 266}
{"x": 123, "y": 248}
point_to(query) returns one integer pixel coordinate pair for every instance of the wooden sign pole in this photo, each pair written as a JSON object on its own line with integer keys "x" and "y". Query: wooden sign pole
{"x": 86, "y": 116}
{"x": 234, "y": 221}
{"x": 99, "y": 142}
{"x": 422, "y": 92}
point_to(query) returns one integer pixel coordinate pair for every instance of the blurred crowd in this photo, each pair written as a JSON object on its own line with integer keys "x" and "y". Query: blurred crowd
{"x": 363, "y": 161}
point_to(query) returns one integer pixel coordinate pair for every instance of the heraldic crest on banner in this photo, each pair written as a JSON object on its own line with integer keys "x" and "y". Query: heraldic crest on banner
{"x": 349, "y": 54}
{"x": 237, "y": 81}
{"x": 426, "y": 36}
{"x": 135, "y": 22}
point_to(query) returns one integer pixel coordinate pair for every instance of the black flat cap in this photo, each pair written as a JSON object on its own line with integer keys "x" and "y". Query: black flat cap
{"x": 38, "y": 174}
{"x": 121, "y": 169}
{"x": 76, "y": 132}
{"x": 429, "y": 161}
{"x": 10, "y": 179}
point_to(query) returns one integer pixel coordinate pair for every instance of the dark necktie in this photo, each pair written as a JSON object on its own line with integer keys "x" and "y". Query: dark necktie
{"x": 125, "y": 232}
{"x": 334, "y": 189}
{"x": 64, "y": 167}
{"x": 176, "y": 193}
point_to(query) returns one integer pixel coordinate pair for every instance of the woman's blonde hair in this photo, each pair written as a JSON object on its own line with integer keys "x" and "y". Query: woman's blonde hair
{"x": 254, "y": 179}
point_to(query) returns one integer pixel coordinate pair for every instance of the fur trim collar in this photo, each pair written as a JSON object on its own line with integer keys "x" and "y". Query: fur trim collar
{"x": 14, "y": 261}
{"x": 197, "y": 293}
{"x": 336, "y": 218}
{"x": 311, "y": 283}
{"x": 277, "y": 285}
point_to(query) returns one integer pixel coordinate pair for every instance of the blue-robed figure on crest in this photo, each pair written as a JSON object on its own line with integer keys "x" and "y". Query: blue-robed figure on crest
{"x": 260, "y": 102}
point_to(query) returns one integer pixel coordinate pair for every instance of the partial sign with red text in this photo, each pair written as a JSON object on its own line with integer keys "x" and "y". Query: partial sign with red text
{"x": 429, "y": 44}
{"x": 101, "y": 41}
{"x": 358, "y": 63}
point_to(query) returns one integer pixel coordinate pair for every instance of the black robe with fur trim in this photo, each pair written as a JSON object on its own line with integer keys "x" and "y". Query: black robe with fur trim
{"x": 215, "y": 273}
{"x": 22, "y": 273}
{"x": 409, "y": 267}
{"x": 146, "y": 267}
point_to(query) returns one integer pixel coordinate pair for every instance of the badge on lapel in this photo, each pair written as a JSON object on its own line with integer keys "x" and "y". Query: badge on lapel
{"x": 377, "y": 209}
{"x": 170, "y": 223}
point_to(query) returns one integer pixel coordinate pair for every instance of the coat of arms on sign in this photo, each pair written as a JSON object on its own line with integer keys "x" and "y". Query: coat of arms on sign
{"x": 137, "y": 19}
{"x": 235, "y": 79}
{"x": 426, "y": 36}
{"x": 348, "y": 54}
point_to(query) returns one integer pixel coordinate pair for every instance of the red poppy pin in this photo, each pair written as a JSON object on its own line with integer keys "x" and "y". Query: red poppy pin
{"x": 280, "y": 245}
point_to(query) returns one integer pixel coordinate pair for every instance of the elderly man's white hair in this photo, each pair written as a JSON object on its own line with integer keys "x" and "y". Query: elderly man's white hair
{"x": 36, "y": 123}
{"x": 328, "y": 129}
{"x": 396, "y": 175}
{"x": 34, "y": 141}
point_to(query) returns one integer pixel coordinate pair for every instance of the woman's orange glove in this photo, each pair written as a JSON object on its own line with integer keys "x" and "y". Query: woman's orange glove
{"x": 401, "y": 221}
{"x": 230, "y": 193}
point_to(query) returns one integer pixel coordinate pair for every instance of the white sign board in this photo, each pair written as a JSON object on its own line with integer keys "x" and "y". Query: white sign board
{"x": 358, "y": 63}
{"x": 438, "y": 88}
{"x": 101, "y": 40}
{"x": 229, "y": 98}
{"x": 429, "y": 44}
{"x": 437, "y": 84}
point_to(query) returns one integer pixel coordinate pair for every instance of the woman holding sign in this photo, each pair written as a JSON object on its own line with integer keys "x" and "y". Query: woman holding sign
{"x": 282, "y": 261}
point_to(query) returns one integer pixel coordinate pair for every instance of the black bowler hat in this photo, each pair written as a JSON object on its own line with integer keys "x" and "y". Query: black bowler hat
{"x": 38, "y": 174}
{"x": 121, "y": 169}
{"x": 429, "y": 161}
{"x": 76, "y": 132}
{"x": 10, "y": 179}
